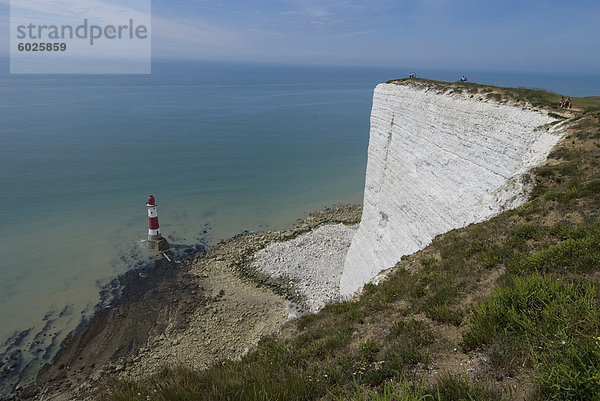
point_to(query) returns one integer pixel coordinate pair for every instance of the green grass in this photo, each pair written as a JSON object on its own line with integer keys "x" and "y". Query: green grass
{"x": 550, "y": 324}
{"x": 448, "y": 388}
{"x": 577, "y": 252}
{"x": 444, "y": 314}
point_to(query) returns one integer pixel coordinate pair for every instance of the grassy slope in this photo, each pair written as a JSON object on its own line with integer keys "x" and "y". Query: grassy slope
{"x": 505, "y": 309}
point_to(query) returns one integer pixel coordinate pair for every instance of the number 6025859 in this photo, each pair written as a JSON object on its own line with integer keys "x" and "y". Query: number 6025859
{"x": 42, "y": 47}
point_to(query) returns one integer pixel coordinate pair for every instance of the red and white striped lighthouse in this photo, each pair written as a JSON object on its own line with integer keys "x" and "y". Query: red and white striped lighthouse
{"x": 155, "y": 240}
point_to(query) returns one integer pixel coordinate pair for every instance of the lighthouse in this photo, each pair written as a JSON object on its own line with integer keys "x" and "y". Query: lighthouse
{"x": 155, "y": 240}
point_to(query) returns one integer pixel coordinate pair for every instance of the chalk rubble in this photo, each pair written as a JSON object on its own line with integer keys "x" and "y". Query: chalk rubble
{"x": 313, "y": 263}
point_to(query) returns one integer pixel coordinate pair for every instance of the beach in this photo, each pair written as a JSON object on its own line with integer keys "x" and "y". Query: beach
{"x": 215, "y": 305}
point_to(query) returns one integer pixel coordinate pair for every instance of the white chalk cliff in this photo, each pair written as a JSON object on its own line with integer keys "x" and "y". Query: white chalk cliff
{"x": 439, "y": 161}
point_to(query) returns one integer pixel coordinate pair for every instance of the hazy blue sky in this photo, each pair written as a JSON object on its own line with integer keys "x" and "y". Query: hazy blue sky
{"x": 532, "y": 35}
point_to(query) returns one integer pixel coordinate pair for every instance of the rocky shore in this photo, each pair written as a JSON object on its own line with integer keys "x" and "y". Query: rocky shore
{"x": 215, "y": 305}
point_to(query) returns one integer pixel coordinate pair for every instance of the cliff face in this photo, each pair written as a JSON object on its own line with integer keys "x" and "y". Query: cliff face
{"x": 439, "y": 161}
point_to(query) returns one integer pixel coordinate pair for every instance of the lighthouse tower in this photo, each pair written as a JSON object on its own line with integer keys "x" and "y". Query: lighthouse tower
{"x": 155, "y": 240}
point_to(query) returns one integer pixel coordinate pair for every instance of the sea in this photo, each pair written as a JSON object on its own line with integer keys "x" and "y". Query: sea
{"x": 225, "y": 148}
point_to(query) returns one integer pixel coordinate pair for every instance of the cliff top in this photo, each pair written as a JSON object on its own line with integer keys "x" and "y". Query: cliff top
{"x": 537, "y": 98}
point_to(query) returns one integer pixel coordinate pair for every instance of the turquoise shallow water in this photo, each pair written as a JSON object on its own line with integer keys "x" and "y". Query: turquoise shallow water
{"x": 224, "y": 148}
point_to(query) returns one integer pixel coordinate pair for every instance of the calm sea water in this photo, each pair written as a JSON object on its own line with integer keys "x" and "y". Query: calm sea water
{"x": 224, "y": 148}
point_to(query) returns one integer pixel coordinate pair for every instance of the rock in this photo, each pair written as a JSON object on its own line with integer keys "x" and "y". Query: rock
{"x": 311, "y": 263}
{"x": 438, "y": 162}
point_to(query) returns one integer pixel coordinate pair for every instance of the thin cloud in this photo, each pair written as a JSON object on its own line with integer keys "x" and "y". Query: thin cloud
{"x": 54, "y": 11}
{"x": 357, "y": 33}
{"x": 194, "y": 32}
{"x": 268, "y": 32}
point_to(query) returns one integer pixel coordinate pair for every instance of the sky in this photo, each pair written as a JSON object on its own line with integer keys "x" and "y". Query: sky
{"x": 524, "y": 35}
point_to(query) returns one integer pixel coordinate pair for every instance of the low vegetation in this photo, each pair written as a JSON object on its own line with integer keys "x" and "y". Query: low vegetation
{"x": 501, "y": 310}
{"x": 521, "y": 96}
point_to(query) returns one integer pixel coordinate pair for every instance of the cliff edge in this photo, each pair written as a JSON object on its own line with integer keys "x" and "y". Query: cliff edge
{"x": 440, "y": 158}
